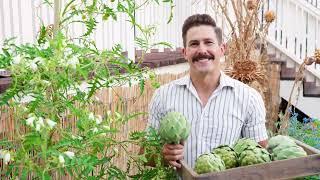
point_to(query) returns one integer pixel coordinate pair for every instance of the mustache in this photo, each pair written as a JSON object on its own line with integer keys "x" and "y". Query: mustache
{"x": 203, "y": 56}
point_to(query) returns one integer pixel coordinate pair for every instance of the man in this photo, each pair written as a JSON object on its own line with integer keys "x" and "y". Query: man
{"x": 220, "y": 109}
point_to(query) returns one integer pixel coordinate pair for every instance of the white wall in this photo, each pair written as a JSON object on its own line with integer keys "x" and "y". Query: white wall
{"x": 309, "y": 105}
{"x": 22, "y": 19}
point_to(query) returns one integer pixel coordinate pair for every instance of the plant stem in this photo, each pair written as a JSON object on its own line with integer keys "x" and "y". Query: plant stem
{"x": 57, "y": 4}
{"x": 299, "y": 78}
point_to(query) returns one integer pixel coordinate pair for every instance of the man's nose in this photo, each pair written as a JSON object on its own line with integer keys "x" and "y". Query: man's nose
{"x": 202, "y": 48}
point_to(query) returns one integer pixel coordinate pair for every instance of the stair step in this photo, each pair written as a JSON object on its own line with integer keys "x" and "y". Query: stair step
{"x": 311, "y": 85}
{"x": 4, "y": 84}
{"x": 287, "y": 73}
{"x": 310, "y": 89}
{"x": 274, "y": 59}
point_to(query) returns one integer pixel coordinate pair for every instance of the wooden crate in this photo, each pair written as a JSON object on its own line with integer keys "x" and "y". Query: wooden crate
{"x": 283, "y": 169}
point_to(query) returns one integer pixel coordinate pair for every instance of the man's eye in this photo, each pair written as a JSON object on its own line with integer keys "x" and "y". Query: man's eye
{"x": 210, "y": 42}
{"x": 193, "y": 44}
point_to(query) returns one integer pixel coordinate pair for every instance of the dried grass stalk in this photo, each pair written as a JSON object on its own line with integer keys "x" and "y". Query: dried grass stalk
{"x": 246, "y": 59}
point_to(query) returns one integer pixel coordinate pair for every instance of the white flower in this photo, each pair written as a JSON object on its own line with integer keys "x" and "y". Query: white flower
{"x": 61, "y": 159}
{"x": 102, "y": 81}
{"x": 103, "y": 134}
{"x": 91, "y": 116}
{"x": 106, "y": 127}
{"x": 73, "y": 62}
{"x": 64, "y": 43}
{"x": 33, "y": 66}
{"x": 30, "y": 121}
{"x": 2, "y": 152}
{"x": 40, "y": 121}
{"x": 83, "y": 88}
{"x": 79, "y": 137}
{"x": 95, "y": 130}
{"x": 68, "y": 51}
{"x": 51, "y": 123}
{"x": 24, "y": 98}
{"x": 39, "y": 124}
{"x": 76, "y": 137}
{"x": 118, "y": 115}
{"x": 70, "y": 154}
{"x": 16, "y": 60}
{"x": 5, "y": 155}
{"x": 98, "y": 119}
{"x": 6, "y": 158}
{"x": 62, "y": 62}
{"x": 46, "y": 82}
{"x": 38, "y": 127}
{"x": 44, "y": 45}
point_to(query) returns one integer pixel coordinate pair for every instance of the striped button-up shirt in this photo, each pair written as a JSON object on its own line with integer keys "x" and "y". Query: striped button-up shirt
{"x": 233, "y": 110}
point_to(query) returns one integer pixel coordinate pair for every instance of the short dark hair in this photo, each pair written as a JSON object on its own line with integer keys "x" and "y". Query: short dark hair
{"x": 197, "y": 20}
{"x": 218, "y": 32}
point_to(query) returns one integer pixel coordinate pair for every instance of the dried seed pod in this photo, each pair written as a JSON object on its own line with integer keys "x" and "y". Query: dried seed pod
{"x": 309, "y": 61}
{"x": 245, "y": 71}
{"x": 252, "y": 4}
{"x": 269, "y": 16}
{"x": 317, "y": 56}
{"x": 49, "y": 30}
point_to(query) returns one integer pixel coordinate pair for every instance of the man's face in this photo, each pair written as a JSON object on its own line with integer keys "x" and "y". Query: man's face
{"x": 202, "y": 50}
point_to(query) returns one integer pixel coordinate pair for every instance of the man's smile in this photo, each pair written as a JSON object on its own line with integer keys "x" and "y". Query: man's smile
{"x": 203, "y": 58}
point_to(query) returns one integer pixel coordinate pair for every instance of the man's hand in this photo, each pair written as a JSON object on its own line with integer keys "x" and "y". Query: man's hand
{"x": 173, "y": 153}
{"x": 263, "y": 143}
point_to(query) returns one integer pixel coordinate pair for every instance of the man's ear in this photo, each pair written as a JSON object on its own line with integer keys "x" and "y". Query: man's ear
{"x": 223, "y": 48}
{"x": 183, "y": 51}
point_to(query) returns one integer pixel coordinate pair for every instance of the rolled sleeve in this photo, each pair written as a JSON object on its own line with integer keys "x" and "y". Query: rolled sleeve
{"x": 254, "y": 126}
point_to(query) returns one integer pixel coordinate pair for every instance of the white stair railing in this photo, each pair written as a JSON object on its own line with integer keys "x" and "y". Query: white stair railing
{"x": 296, "y": 31}
{"x": 315, "y": 3}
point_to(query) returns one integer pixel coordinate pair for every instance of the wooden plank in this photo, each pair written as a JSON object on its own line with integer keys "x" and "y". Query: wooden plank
{"x": 309, "y": 149}
{"x": 283, "y": 169}
{"x": 186, "y": 172}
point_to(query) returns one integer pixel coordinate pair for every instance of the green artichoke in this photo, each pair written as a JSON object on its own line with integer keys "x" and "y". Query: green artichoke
{"x": 243, "y": 144}
{"x": 284, "y": 147}
{"x": 228, "y": 155}
{"x": 174, "y": 128}
{"x": 210, "y": 162}
{"x": 275, "y": 141}
{"x": 285, "y": 152}
{"x": 254, "y": 155}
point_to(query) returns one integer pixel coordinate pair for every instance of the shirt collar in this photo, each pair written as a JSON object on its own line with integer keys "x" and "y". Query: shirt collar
{"x": 224, "y": 80}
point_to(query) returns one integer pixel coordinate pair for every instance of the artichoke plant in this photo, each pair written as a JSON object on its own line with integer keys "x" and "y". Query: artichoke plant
{"x": 210, "y": 162}
{"x": 228, "y": 155}
{"x": 174, "y": 127}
